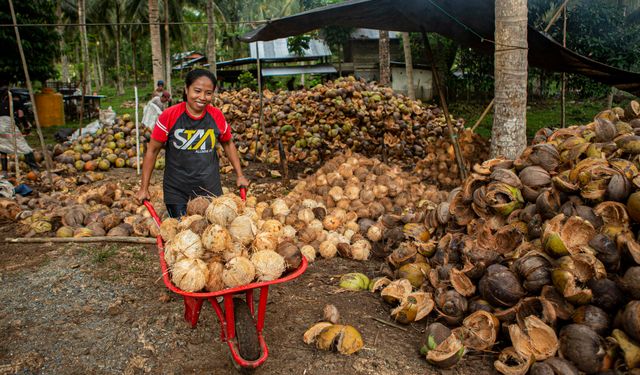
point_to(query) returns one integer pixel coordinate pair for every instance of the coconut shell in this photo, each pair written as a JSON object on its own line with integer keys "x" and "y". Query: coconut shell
{"x": 500, "y": 286}
{"x": 583, "y": 347}
{"x": 122, "y": 230}
{"x": 631, "y": 320}
{"x": 198, "y": 206}
{"x": 291, "y": 254}
{"x": 269, "y": 265}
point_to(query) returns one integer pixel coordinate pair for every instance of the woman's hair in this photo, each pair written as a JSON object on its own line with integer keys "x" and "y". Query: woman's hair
{"x": 193, "y": 75}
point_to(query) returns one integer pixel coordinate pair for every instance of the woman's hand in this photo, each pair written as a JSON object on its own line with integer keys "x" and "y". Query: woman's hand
{"x": 143, "y": 194}
{"x": 242, "y": 181}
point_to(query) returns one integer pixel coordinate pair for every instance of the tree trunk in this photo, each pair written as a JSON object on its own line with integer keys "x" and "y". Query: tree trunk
{"x": 63, "y": 56}
{"x": 156, "y": 45}
{"x": 408, "y": 61}
{"x": 84, "y": 45}
{"x": 119, "y": 86}
{"x": 383, "y": 51}
{"x": 509, "y": 135}
{"x": 167, "y": 47}
{"x": 211, "y": 37}
{"x": 98, "y": 69}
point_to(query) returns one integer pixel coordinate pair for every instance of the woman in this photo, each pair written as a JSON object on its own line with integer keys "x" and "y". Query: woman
{"x": 190, "y": 131}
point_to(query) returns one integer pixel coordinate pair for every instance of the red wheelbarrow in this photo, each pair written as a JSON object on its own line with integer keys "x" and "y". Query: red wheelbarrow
{"x": 240, "y": 326}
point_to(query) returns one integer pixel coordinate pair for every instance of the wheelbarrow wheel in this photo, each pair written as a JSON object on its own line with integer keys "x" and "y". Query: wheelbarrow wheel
{"x": 246, "y": 334}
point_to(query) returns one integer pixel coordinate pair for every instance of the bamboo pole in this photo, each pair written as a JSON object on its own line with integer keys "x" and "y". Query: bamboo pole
{"x": 483, "y": 115}
{"x": 47, "y": 157}
{"x": 260, "y": 120}
{"x": 445, "y": 109}
{"x": 15, "y": 140}
{"x": 556, "y": 15}
{"x": 142, "y": 240}
{"x": 135, "y": 91}
{"x": 563, "y": 119}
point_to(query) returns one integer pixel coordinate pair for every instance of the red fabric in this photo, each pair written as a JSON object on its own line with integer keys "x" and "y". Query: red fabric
{"x": 169, "y": 116}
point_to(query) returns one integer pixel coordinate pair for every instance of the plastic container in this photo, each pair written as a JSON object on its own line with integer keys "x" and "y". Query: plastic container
{"x": 50, "y": 107}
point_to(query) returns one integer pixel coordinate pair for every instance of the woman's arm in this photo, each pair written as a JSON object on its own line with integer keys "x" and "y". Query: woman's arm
{"x": 232, "y": 154}
{"x": 153, "y": 148}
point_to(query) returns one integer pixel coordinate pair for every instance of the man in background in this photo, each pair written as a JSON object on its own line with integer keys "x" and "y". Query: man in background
{"x": 154, "y": 108}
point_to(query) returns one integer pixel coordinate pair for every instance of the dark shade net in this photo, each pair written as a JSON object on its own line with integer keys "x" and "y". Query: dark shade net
{"x": 469, "y": 22}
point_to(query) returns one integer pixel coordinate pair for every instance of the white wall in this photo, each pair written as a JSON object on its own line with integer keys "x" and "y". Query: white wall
{"x": 422, "y": 81}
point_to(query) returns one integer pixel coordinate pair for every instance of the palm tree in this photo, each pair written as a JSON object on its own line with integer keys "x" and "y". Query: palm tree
{"x": 86, "y": 78}
{"x": 211, "y": 36}
{"x": 385, "y": 69}
{"x": 508, "y": 136}
{"x": 112, "y": 12}
{"x": 156, "y": 45}
{"x": 408, "y": 62}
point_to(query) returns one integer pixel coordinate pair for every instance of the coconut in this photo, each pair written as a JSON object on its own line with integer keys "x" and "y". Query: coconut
{"x": 306, "y": 215}
{"x": 279, "y": 207}
{"x": 328, "y": 249}
{"x": 222, "y": 211}
{"x": 238, "y": 271}
{"x": 265, "y": 241}
{"x": 360, "y": 250}
{"x": 64, "y": 231}
{"x": 269, "y": 265}
{"x": 195, "y": 223}
{"x": 98, "y": 231}
{"x": 216, "y": 239}
{"x": 198, "y": 206}
{"x": 171, "y": 254}
{"x": 374, "y": 233}
{"x": 122, "y": 230}
{"x": 214, "y": 280}
{"x": 290, "y": 253}
{"x": 189, "y": 244}
{"x": 82, "y": 232}
{"x": 288, "y": 233}
{"x": 169, "y": 229}
{"x": 309, "y": 252}
{"x": 273, "y": 226}
{"x": 190, "y": 275}
{"x": 242, "y": 229}
{"x": 260, "y": 207}
{"x": 236, "y": 250}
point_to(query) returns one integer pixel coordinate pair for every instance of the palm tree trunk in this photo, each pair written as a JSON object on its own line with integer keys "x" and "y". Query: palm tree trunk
{"x": 211, "y": 37}
{"x": 383, "y": 48}
{"x": 63, "y": 56}
{"x": 408, "y": 62}
{"x": 156, "y": 45}
{"x": 119, "y": 85}
{"x": 509, "y": 136}
{"x": 167, "y": 47}
{"x": 84, "y": 45}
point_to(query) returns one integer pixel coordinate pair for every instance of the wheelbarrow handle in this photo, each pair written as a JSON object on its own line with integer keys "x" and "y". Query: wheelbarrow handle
{"x": 243, "y": 192}
{"x": 152, "y": 211}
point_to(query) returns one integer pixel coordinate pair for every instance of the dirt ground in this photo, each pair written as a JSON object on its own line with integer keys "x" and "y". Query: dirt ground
{"x": 103, "y": 309}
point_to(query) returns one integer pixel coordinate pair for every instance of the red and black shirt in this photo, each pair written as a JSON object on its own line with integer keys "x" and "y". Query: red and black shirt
{"x": 192, "y": 166}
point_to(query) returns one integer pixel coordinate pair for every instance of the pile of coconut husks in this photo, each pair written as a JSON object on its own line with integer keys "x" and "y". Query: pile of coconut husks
{"x": 535, "y": 258}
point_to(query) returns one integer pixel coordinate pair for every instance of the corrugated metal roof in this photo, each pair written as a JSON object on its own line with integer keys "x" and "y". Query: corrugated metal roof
{"x": 295, "y": 70}
{"x": 277, "y": 49}
{"x": 372, "y": 34}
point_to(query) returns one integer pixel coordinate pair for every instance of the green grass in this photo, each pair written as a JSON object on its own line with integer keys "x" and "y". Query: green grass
{"x": 539, "y": 114}
{"x": 101, "y": 255}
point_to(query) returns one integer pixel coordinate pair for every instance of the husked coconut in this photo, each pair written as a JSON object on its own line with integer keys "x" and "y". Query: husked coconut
{"x": 265, "y": 241}
{"x": 189, "y": 244}
{"x": 243, "y": 230}
{"x": 190, "y": 275}
{"x": 222, "y": 210}
{"x": 216, "y": 239}
{"x": 238, "y": 271}
{"x": 169, "y": 229}
{"x": 214, "y": 280}
{"x": 269, "y": 265}
{"x": 198, "y": 206}
{"x": 309, "y": 252}
{"x": 273, "y": 226}
{"x": 328, "y": 249}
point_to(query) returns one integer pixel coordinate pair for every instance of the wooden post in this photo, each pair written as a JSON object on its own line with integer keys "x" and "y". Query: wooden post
{"x": 445, "y": 109}
{"x": 15, "y": 140}
{"x": 563, "y": 120}
{"x": 260, "y": 119}
{"x": 135, "y": 92}
{"x": 284, "y": 164}
{"x": 47, "y": 157}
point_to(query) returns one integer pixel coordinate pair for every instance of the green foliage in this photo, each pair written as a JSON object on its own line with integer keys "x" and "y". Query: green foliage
{"x": 246, "y": 79}
{"x": 298, "y": 44}
{"x": 40, "y": 44}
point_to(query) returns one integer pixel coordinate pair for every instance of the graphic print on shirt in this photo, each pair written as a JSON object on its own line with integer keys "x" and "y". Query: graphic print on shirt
{"x": 198, "y": 140}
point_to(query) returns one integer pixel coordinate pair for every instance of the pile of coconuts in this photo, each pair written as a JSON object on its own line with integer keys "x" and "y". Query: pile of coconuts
{"x": 223, "y": 243}
{"x": 353, "y": 207}
{"x": 535, "y": 258}
{"x": 111, "y": 147}
{"x": 103, "y": 208}
{"x": 314, "y": 124}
